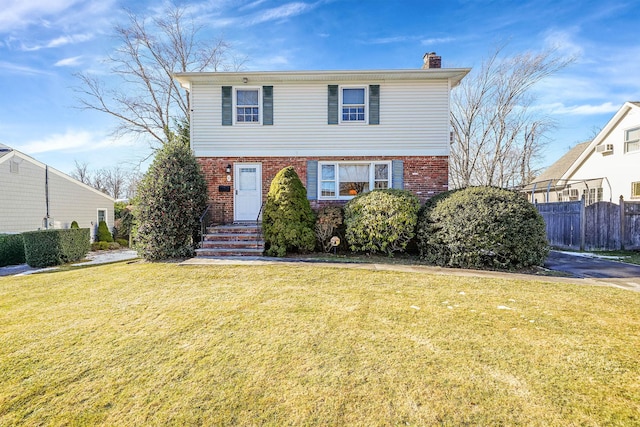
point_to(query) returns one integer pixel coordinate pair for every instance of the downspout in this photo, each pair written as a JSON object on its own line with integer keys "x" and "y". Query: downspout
{"x": 46, "y": 195}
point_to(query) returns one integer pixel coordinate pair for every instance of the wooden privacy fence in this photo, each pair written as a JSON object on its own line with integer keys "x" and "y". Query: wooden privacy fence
{"x": 600, "y": 226}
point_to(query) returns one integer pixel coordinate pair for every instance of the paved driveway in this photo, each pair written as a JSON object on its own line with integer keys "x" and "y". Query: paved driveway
{"x": 599, "y": 270}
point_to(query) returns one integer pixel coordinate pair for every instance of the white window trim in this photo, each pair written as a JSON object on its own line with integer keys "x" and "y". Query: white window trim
{"x": 106, "y": 216}
{"x": 627, "y": 141}
{"x": 337, "y": 164}
{"x": 235, "y": 105}
{"x": 634, "y": 185}
{"x": 366, "y": 105}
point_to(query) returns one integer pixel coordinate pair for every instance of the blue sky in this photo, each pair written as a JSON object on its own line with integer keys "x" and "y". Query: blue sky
{"x": 44, "y": 42}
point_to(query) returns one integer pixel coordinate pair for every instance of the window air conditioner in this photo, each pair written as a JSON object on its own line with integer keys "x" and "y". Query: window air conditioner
{"x": 604, "y": 149}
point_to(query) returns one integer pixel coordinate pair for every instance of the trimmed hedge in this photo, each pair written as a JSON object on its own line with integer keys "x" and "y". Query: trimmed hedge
{"x": 11, "y": 249}
{"x": 45, "y": 248}
{"x": 482, "y": 227}
{"x": 381, "y": 221}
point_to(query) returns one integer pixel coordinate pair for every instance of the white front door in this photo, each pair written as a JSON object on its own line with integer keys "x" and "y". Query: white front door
{"x": 248, "y": 191}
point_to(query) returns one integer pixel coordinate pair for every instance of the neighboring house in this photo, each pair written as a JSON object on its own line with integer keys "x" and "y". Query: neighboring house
{"x": 35, "y": 196}
{"x": 599, "y": 170}
{"x": 344, "y": 132}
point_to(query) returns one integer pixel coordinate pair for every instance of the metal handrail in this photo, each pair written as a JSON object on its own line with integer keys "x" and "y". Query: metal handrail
{"x": 259, "y": 227}
{"x": 202, "y": 226}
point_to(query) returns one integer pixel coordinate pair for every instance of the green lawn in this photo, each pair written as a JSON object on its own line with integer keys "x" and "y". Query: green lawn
{"x": 162, "y": 344}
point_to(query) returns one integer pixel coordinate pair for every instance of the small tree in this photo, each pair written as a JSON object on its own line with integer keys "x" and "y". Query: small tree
{"x": 287, "y": 219}
{"x": 171, "y": 197}
{"x": 104, "y": 235}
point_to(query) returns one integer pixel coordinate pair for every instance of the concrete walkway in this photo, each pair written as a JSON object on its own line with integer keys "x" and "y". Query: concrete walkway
{"x": 92, "y": 258}
{"x": 585, "y": 269}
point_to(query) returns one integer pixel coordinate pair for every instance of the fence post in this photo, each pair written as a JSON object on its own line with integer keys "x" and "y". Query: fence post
{"x": 583, "y": 223}
{"x": 622, "y": 223}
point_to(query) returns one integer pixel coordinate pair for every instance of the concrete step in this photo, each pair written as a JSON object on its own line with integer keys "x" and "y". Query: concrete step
{"x": 232, "y": 244}
{"x": 231, "y": 237}
{"x": 224, "y": 252}
{"x": 244, "y": 239}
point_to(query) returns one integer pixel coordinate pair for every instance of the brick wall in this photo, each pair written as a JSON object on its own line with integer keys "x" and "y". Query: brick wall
{"x": 424, "y": 176}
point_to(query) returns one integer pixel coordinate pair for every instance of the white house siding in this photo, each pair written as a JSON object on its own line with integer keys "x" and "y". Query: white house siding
{"x": 620, "y": 168}
{"x": 23, "y": 198}
{"x": 70, "y": 200}
{"x": 414, "y": 121}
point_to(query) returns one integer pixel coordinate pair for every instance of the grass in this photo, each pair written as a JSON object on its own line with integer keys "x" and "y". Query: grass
{"x": 161, "y": 344}
{"x": 631, "y": 257}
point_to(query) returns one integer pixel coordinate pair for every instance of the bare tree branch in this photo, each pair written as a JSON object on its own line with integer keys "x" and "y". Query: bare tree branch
{"x": 496, "y": 134}
{"x": 148, "y": 100}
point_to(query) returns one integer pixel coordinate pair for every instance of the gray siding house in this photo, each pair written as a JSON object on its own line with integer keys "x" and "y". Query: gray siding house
{"x": 34, "y": 196}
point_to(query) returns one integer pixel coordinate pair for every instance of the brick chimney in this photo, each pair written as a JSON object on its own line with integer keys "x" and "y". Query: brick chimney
{"x": 431, "y": 60}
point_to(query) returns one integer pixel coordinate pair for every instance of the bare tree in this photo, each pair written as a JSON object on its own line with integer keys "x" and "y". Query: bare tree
{"x": 496, "y": 136}
{"x": 116, "y": 181}
{"x": 81, "y": 172}
{"x": 147, "y": 99}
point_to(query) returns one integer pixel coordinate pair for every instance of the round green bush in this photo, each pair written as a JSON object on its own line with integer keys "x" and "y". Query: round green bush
{"x": 482, "y": 227}
{"x": 74, "y": 224}
{"x": 381, "y": 221}
{"x": 287, "y": 219}
{"x": 104, "y": 235}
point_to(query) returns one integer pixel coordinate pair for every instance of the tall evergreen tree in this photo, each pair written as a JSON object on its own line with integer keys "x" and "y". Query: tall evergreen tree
{"x": 171, "y": 197}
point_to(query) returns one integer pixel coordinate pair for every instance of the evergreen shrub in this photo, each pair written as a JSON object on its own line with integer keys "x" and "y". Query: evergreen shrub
{"x": 381, "y": 221}
{"x": 11, "y": 249}
{"x": 104, "y": 235}
{"x": 482, "y": 227}
{"x": 171, "y": 197}
{"x": 74, "y": 224}
{"x": 287, "y": 218}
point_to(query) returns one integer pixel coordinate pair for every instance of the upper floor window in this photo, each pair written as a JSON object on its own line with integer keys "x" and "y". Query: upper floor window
{"x": 632, "y": 140}
{"x": 353, "y": 104}
{"x": 344, "y": 180}
{"x": 247, "y": 106}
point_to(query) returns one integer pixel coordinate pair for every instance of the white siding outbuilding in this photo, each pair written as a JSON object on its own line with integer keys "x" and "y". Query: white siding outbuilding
{"x": 35, "y": 196}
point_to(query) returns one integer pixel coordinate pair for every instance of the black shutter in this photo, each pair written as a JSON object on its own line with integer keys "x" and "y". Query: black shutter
{"x": 374, "y": 104}
{"x": 332, "y": 110}
{"x": 227, "y": 106}
{"x": 312, "y": 179}
{"x": 397, "y": 174}
{"x": 267, "y": 105}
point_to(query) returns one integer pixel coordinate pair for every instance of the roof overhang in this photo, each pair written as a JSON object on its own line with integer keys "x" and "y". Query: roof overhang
{"x": 453, "y": 75}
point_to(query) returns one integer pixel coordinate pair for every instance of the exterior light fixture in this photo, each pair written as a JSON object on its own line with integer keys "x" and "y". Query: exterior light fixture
{"x": 228, "y": 169}
{"x": 245, "y": 80}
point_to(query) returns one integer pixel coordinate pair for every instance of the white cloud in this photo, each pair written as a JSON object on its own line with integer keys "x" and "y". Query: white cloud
{"x": 58, "y": 42}
{"x": 68, "y": 62}
{"x": 580, "y": 110}
{"x": 279, "y": 13}
{"x": 20, "y": 69}
{"x": 437, "y": 40}
{"x": 73, "y": 141}
{"x": 563, "y": 42}
{"x": 16, "y": 14}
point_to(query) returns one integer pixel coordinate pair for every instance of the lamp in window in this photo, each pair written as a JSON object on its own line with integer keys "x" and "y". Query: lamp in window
{"x": 228, "y": 169}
